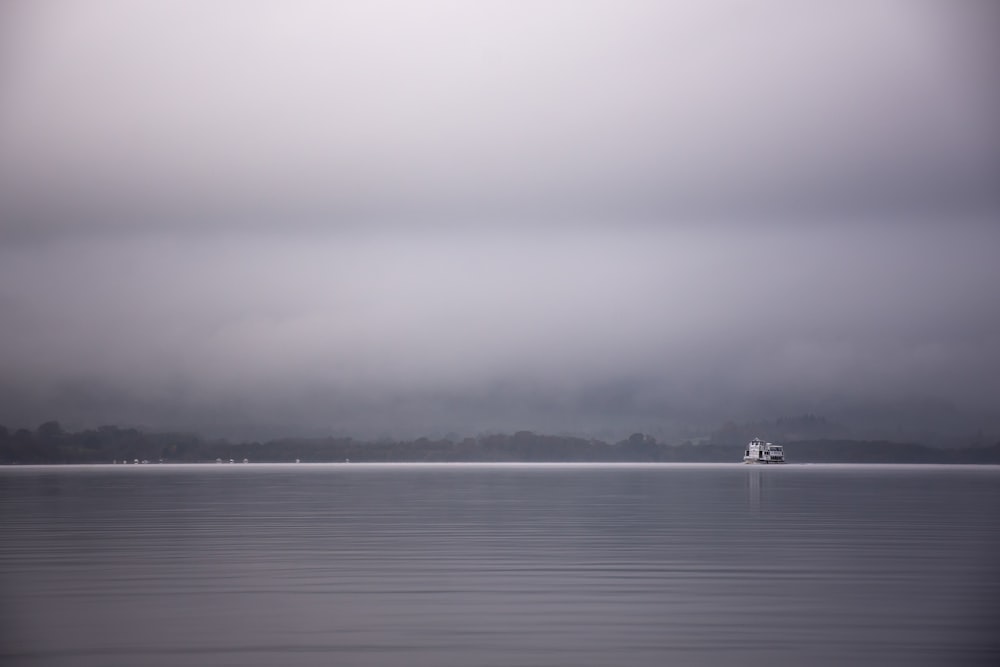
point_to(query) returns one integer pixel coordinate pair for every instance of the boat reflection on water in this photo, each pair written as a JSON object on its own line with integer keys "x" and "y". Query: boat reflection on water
{"x": 753, "y": 488}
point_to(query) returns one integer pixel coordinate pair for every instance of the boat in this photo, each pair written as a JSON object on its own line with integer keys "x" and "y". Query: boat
{"x": 759, "y": 451}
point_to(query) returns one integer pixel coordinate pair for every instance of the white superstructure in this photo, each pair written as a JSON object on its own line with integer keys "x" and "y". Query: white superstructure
{"x": 759, "y": 451}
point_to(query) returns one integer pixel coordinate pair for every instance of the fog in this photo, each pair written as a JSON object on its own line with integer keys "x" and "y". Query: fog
{"x": 395, "y": 218}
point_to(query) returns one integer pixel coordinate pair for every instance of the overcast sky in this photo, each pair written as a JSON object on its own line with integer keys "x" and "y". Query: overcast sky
{"x": 398, "y": 218}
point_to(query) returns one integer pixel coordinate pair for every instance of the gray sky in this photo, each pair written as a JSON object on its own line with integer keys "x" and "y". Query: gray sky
{"x": 413, "y": 217}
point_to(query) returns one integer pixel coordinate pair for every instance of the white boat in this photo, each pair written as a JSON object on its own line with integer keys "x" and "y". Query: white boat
{"x": 759, "y": 451}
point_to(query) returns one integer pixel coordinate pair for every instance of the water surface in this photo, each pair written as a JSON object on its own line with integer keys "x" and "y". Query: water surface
{"x": 466, "y": 565}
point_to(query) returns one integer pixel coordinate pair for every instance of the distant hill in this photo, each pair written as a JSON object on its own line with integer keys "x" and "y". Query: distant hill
{"x": 49, "y": 443}
{"x": 881, "y": 451}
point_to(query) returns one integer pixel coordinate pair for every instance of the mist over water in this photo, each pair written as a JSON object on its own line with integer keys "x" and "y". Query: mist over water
{"x": 403, "y": 219}
{"x": 387, "y": 219}
{"x": 544, "y": 565}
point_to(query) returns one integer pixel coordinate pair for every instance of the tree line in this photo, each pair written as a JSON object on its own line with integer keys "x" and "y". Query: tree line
{"x": 51, "y": 444}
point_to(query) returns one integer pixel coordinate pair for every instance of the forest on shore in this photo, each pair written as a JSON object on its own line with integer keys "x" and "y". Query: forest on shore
{"x": 51, "y": 444}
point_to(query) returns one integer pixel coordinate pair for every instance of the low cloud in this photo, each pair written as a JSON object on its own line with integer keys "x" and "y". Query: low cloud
{"x": 345, "y": 331}
{"x": 395, "y": 217}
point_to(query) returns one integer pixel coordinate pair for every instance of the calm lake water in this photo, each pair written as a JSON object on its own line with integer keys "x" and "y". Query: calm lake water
{"x": 476, "y": 565}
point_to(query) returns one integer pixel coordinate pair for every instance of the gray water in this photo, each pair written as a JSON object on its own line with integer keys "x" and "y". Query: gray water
{"x": 470, "y": 565}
